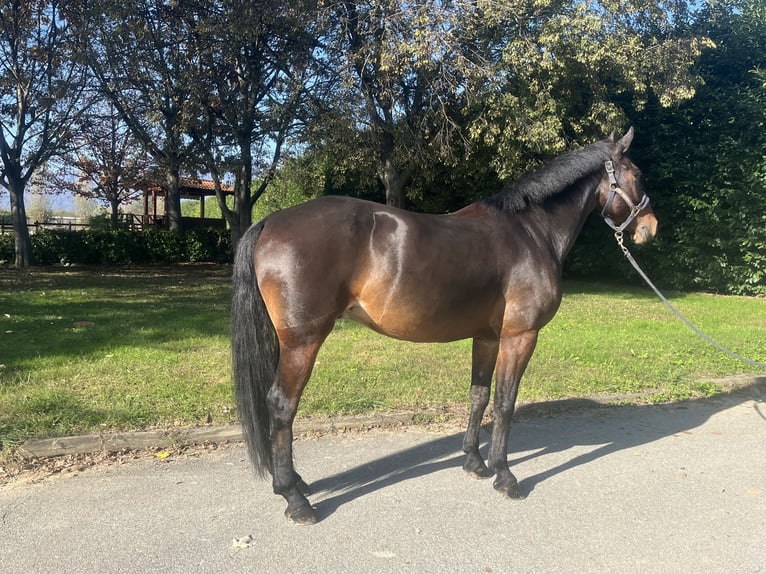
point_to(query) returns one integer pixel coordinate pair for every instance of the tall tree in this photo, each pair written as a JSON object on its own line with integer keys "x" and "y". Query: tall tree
{"x": 107, "y": 164}
{"x": 567, "y": 72}
{"x": 402, "y": 69}
{"x": 42, "y": 93}
{"x": 420, "y": 80}
{"x": 140, "y": 54}
{"x": 254, "y": 72}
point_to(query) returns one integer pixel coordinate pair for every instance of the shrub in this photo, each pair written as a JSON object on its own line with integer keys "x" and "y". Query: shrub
{"x": 7, "y": 252}
{"x": 121, "y": 247}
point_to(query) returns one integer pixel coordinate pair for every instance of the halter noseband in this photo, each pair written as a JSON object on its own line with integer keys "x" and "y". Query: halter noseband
{"x": 614, "y": 189}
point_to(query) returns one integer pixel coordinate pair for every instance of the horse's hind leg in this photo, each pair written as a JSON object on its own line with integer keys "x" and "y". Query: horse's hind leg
{"x": 483, "y": 364}
{"x": 295, "y": 364}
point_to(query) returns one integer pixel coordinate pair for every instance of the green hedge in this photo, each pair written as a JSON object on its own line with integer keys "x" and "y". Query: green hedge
{"x": 106, "y": 247}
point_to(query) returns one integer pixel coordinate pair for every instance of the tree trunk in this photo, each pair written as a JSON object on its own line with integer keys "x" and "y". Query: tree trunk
{"x": 239, "y": 217}
{"x": 243, "y": 199}
{"x": 237, "y": 231}
{"x": 173, "y": 200}
{"x": 22, "y": 239}
{"x": 394, "y": 181}
{"x": 115, "y": 211}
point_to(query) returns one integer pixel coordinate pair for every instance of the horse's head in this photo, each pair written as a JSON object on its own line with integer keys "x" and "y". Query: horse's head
{"x": 621, "y": 198}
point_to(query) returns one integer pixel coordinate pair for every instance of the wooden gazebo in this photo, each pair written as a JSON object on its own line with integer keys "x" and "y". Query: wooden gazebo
{"x": 189, "y": 188}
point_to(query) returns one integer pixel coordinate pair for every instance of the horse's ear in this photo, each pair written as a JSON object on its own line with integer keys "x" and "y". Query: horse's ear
{"x": 611, "y": 137}
{"x": 624, "y": 143}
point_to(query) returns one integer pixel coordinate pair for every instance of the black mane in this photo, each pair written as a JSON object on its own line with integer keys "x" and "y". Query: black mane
{"x": 560, "y": 173}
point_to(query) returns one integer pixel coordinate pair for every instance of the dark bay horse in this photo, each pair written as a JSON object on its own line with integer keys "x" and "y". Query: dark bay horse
{"x": 491, "y": 272}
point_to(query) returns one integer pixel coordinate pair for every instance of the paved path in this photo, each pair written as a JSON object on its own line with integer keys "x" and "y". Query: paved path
{"x": 625, "y": 489}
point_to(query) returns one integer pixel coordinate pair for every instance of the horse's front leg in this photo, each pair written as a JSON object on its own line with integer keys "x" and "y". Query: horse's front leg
{"x": 483, "y": 364}
{"x": 514, "y": 353}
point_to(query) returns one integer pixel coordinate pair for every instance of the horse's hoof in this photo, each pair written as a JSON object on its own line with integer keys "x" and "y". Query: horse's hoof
{"x": 509, "y": 488}
{"x": 475, "y": 467}
{"x": 478, "y": 472}
{"x": 303, "y": 515}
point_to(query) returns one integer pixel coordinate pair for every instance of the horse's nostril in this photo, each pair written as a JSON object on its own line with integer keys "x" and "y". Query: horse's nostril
{"x": 643, "y": 234}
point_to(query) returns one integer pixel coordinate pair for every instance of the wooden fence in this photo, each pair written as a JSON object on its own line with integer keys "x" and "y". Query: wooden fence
{"x": 128, "y": 221}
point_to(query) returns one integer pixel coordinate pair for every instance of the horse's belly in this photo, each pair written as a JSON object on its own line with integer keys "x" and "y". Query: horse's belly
{"x": 426, "y": 322}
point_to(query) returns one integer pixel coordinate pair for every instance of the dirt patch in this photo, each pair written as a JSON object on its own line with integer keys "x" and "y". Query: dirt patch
{"x": 16, "y": 471}
{"x": 19, "y": 468}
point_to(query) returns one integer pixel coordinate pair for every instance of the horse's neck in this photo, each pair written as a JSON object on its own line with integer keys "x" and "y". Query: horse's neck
{"x": 561, "y": 218}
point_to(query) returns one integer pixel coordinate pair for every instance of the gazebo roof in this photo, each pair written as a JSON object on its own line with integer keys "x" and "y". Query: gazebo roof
{"x": 191, "y": 187}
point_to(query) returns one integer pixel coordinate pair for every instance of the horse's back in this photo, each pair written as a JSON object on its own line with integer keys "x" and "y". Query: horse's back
{"x": 407, "y": 275}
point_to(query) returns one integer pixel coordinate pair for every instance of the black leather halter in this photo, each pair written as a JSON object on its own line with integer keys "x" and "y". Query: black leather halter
{"x": 614, "y": 190}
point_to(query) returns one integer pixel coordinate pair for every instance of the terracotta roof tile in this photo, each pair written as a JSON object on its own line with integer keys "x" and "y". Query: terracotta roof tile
{"x": 206, "y": 184}
{"x": 191, "y": 183}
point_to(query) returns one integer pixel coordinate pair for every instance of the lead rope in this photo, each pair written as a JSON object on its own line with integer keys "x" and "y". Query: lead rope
{"x": 629, "y": 257}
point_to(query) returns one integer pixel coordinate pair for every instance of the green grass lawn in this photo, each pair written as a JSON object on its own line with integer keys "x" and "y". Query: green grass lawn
{"x": 106, "y": 349}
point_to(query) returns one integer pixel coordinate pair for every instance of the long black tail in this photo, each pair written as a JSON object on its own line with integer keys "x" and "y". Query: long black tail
{"x": 255, "y": 353}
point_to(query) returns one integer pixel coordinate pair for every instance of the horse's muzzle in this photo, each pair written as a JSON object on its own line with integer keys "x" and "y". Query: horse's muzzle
{"x": 645, "y": 229}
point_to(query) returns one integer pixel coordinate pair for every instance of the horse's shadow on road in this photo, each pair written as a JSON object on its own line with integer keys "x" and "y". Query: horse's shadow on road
{"x": 565, "y": 424}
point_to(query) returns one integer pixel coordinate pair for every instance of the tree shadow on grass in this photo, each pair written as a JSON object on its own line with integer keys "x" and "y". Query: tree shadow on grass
{"x": 49, "y": 412}
{"x": 65, "y": 313}
{"x": 536, "y": 435}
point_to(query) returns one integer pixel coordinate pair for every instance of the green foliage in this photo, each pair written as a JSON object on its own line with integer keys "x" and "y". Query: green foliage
{"x": 121, "y": 247}
{"x": 401, "y": 70}
{"x": 705, "y": 168}
{"x": 207, "y": 245}
{"x": 100, "y": 221}
{"x": 569, "y": 72}
{"x": 300, "y": 179}
{"x": 704, "y": 165}
{"x": 6, "y": 249}
{"x": 446, "y": 187}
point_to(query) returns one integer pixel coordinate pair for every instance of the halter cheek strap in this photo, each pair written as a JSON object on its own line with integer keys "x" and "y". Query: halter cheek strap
{"x": 614, "y": 190}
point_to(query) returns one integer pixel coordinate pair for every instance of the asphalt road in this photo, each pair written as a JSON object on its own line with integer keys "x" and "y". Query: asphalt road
{"x": 672, "y": 488}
